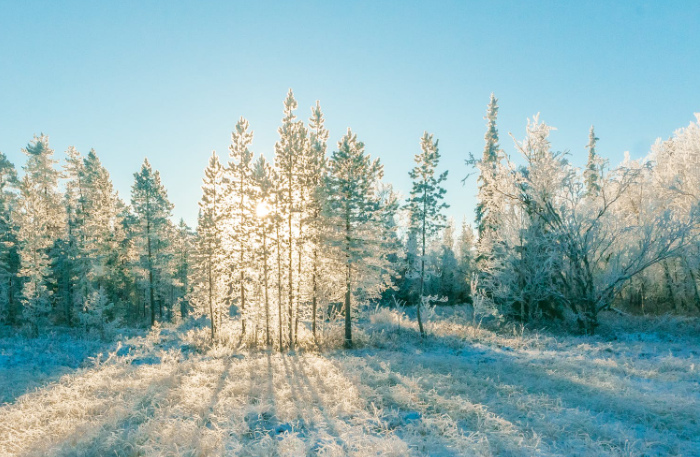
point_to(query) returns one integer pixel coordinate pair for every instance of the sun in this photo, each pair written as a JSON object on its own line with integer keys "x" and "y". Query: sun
{"x": 262, "y": 210}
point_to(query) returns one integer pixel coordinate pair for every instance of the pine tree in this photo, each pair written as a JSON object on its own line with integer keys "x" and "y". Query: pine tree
{"x": 103, "y": 227}
{"x": 183, "y": 249}
{"x": 211, "y": 262}
{"x": 152, "y": 208}
{"x": 9, "y": 257}
{"x": 41, "y": 220}
{"x": 592, "y": 173}
{"x": 449, "y": 284}
{"x": 289, "y": 154}
{"x": 73, "y": 266}
{"x": 488, "y": 200}
{"x": 262, "y": 194}
{"x": 240, "y": 210}
{"x": 354, "y": 212}
{"x": 425, "y": 206}
{"x": 465, "y": 261}
{"x": 95, "y": 312}
{"x": 277, "y": 223}
{"x": 316, "y": 170}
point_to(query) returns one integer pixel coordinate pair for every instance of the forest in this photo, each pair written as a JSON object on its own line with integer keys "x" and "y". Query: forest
{"x": 296, "y": 241}
{"x": 314, "y": 310}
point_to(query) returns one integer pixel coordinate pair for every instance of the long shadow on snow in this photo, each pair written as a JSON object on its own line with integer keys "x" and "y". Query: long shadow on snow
{"x": 510, "y": 371}
{"x": 35, "y": 363}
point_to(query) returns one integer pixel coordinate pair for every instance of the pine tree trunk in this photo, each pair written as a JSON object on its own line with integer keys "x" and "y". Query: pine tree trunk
{"x": 348, "y": 285}
{"x": 299, "y": 263}
{"x": 290, "y": 310}
{"x": 314, "y": 299}
{"x": 279, "y": 285}
{"x": 422, "y": 273}
{"x": 267, "y": 298}
{"x": 150, "y": 272}
{"x": 348, "y": 321}
{"x": 211, "y": 299}
{"x": 420, "y": 301}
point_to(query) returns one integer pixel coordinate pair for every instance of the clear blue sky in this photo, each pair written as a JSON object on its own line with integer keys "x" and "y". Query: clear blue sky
{"x": 168, "y": 80}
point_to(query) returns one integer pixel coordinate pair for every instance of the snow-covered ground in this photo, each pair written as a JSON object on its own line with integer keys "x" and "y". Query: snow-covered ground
{"x": 633, "y": 390}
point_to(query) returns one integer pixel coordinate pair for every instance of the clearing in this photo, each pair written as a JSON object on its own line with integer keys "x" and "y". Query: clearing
{"x": 632, "y": 390}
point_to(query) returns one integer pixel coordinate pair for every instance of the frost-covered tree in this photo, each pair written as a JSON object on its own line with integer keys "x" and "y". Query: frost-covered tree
{"x": 101, "y": 231}
{"x": 289, "y": 161}
{"x": 73, "y": 269}
{"x": 262, "y": 195}
{"x": 425, "y": 204}
{"x": 9, "y": 257}
{"x": 277, "y": 218}
{"x": 573, "y": 251}
{"x": 183, "y": 248}
{"x": 449, "y": 282}
{"x": 314, "y": 175}
{"x": 488, "y": 200}
{"x": 353, "y": 209}
{"x": 41, "y": 220}
{"x": 241, "y": 212}
{"x": 152, "y": 208}
{"x": 592, "y": 173}
{"x": 96, "y": 311}
{"x": 466, "y": 254}
{"x": 210, "y": 271}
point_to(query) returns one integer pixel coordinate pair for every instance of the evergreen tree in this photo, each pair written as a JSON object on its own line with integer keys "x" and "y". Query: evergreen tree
{"x": 240, "y": 211}
{"x": 73, "y": 269}
{"x": 102, "y": 220}
{"x": 277, "y": 223}
{"x": 592, "y": 173}
{"x": 316, "y": 170}
{"x": 183, "y": 249}
{"x": 449, "y": 283}
{"x": 41, "y": 220}
{"x": 9, "y": 257}
{"x": 208, "y": 293}
{"x": 354, "y": 212}
{"x": 289, "y": 154}
{"x": 488, "y": 199}
{"x": 152, "y": 208}
{"x": 465, "y": 261}
{"x": 425, "y": 206}
{"x": 262, "y": 194}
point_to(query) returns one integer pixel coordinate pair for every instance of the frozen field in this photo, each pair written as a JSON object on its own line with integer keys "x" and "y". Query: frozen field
{"x": 632, "y": 391}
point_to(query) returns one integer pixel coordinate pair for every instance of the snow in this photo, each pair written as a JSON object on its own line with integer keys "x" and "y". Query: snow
{"x": 634, "y": 389}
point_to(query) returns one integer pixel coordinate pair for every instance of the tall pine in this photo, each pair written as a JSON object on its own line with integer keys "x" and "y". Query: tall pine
{"x": 425, "y": 205}
{"x": 152, "y": 208}
{"x": 354, "y": 212}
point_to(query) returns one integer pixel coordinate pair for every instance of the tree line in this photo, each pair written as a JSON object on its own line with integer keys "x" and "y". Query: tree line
{"x": 76, "y": 254}
{"x": 556, "y": 241}
{"x": 282, "y": 247}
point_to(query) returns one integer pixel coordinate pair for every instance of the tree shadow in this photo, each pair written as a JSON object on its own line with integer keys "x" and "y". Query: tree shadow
{"x": 314, "y": 398}
{"x": 28, "y": 364}
{"x": 511, "y": 378}
{"x": 89, "y": 435}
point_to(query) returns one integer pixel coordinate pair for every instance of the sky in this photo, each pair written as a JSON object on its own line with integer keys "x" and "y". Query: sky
{"x": 169, "y": 80}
